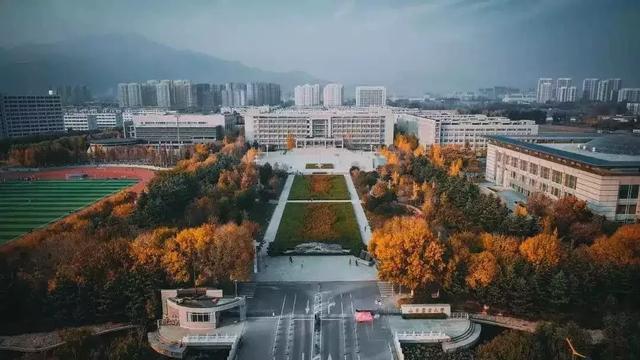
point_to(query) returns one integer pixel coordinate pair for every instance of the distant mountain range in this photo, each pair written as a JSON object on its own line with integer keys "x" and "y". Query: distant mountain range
{"x": 101, "y": 62}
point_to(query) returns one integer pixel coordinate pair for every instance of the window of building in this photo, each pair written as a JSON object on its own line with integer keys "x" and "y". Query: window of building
{"x": 626, "y": 209}
{"x": 556, "y": 177}
{"x": 523, "y": 165}
{"x": 570, "y": 181}
{"x": 513, "y": 174}
{"x": 545, "y": 187}
{"x": 533, "y": 168}
{"x": 199, "y": 317}
{"x": 514, "y": 162}
{"x": 498, "y": 156}
{"x": 544, "y": 172}
{"x": 555, "y": 191}
{"x": 628, "y": 191}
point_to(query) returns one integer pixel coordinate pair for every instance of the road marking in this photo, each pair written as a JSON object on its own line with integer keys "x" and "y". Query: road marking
{"x": 283, "y": 301}
{"x": 307, "y": 308}
{"x": 341, "y": 306}
{"x": 293, "y": 309}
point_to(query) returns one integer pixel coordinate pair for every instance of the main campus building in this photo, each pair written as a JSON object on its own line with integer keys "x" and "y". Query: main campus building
{"x": 603, "y": 170}
{"x": 353, "y": 128}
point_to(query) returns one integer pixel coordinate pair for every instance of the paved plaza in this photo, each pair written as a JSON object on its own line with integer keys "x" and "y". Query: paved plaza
{"x": 314, "y": 268}
{"x": 342, "y": 159}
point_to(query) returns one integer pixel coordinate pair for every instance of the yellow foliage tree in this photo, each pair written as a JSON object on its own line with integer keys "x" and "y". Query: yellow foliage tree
{"x": 147, "y": 248}
{"x": 419, "y": 151}
{"x": 390, "y": 156}
{"x": 209, "y": 254}
{"x": 403, "y": 144}
{"x": 291, "y": 141}
{"x": 455, "y": 167}
{"x": 542, "y": 250}
{"x": 435, "y": 155}
{"x": 620, "y": 249}
{"x": 408, "y": 252}
{"x": 483, "y": 268}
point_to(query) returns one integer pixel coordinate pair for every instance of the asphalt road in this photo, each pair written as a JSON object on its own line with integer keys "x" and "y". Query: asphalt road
{"x": 281, "y": 322}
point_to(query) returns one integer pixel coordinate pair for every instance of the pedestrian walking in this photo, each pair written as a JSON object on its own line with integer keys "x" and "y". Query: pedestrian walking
{"x": 301, "y": 265}
{"x": 290, "y": 260}
{"x": 349, "y": 261}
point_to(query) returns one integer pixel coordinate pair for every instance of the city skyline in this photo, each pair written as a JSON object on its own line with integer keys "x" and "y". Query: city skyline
{"x": 409, "y": 65}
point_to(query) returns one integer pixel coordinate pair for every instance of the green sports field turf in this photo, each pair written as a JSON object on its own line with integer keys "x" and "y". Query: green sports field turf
{"x": 25, "y": 206}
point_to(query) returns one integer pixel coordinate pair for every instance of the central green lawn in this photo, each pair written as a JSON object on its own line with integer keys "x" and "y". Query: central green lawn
{"x": 305, "y": 222}
{"x": 28, "y": 205}
{"x": 303, "y": 188}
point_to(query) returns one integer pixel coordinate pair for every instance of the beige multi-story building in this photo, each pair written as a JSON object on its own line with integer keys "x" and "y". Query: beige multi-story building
{"x": 351, "y": 128}
{"x": 447, "y": 128}
{"x": 178, "y": 129}
{"x": 604, "y": 171}
{"x": 92, "y": 119}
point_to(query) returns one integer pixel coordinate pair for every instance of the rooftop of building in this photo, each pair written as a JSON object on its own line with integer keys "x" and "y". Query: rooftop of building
{"x": 603, "y": 151}
{"x": 197, "y": 298}
{"x": 115, "y": 141}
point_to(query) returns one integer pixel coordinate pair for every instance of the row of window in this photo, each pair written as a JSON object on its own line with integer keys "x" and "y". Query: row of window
{"x": 557, "y": 177}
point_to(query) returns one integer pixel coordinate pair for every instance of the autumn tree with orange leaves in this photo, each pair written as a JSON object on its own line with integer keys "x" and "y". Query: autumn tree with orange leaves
{"x": 408, "y": 252}
{"x": 542, "y": 250}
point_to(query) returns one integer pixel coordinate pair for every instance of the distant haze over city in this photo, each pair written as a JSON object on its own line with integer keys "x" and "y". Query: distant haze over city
{"x": 409, "y": 46}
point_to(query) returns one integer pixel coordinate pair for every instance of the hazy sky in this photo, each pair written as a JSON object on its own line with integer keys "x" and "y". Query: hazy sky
{"x": 409, "y": 45}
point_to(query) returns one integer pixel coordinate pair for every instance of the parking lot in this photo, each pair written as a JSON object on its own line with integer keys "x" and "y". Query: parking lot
{"x": 281, "y": 321}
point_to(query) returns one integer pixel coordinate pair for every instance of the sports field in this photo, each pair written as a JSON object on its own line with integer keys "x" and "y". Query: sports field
{"x": 27, "y": 205}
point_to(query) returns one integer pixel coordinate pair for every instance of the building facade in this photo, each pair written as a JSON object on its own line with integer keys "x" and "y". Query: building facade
{"x": 332, "y": 95}
{"x": 178, "y": 129}
{"x": 307, "y": 95}
{"x": 603, "y": 171}
{"x": 544, "y": 91}
{"x": 193, "y": 319}
{"x": 92, "y": 119}
{"x": 30, "y": 115}
{"x": 371, "y": 96}
{"x": 629, "y": 95}
{"x": 590, "y": 89}
{"x": 447, "y": 128}
{"x": 608, "y": 90}
{"x": 357, "y": 129}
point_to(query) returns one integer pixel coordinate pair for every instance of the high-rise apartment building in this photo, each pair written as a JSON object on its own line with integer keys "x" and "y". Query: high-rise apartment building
{"x": 74, "y": 95}
{"x": 234, "y": 94}
{"x": 590, "y": 89}
{"x": 562, "y": 82}
{"x": 608, "y": 90}
{"x": 131, "y": 97}
{"x": 30, "y": 115}
{"x": 149, "y": 93}
{"x": 259, "y": 94}
{"x": 307, "y": 95}
{"x": 566, "y": 94}
{"x": 183, "y": 95}
{"x": 629, "y": 95}
{"x": 367, "y": 96}
{"x": 163, "y": 94}
{"x": 545, "y": 90}
{"x": 332, "y": 95}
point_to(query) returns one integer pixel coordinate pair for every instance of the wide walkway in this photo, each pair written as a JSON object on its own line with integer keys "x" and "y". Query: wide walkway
{"x": 272, "y": 229}
{"x": 314, "y": 268}
{"x": 363, "y": 223}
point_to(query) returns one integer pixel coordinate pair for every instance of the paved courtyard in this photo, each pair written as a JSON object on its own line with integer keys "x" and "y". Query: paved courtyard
{"x": 313, "y": 268}
{"x": 342, "y": 159}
